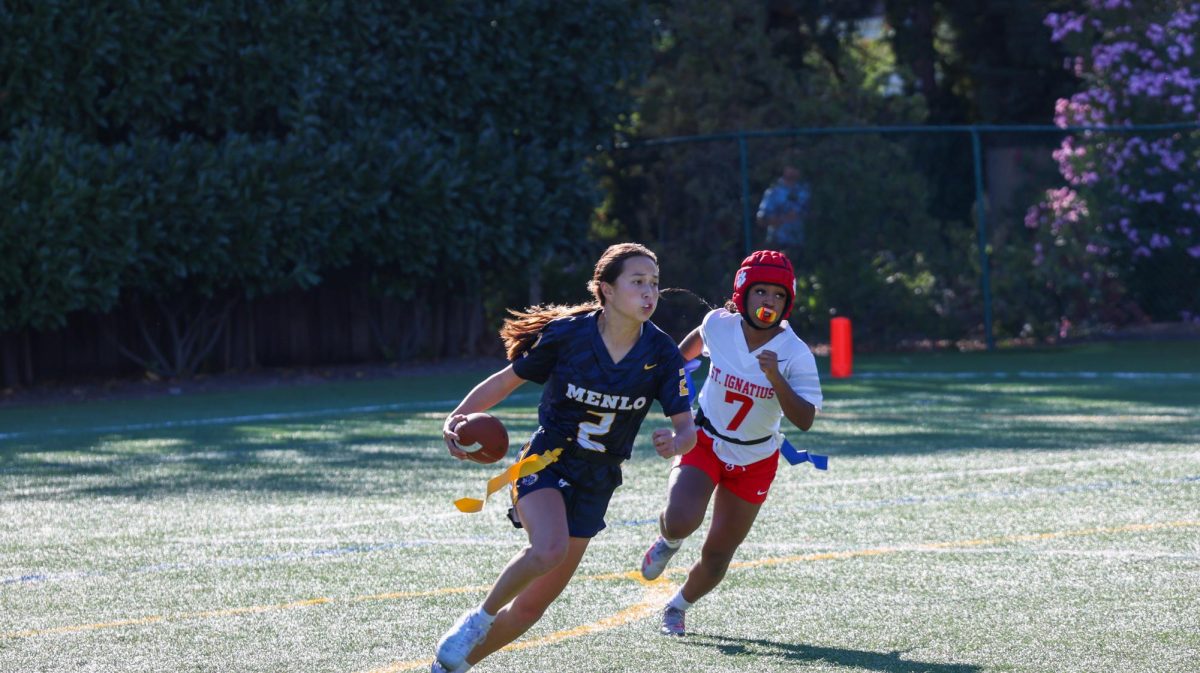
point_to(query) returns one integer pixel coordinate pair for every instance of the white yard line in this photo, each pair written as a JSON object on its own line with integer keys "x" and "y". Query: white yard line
{"x": 449, "y": 404}
{"x": 249, "y": 418}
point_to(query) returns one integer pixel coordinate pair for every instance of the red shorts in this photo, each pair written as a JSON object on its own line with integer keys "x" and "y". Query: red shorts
{"x": 748, "y": 482}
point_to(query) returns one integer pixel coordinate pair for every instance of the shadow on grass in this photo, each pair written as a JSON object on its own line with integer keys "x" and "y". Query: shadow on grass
{"x": 890, "y": 662}
{"x": 280, "y": 457}
{"x": 386, "y": 453}
{"x": 377, "y": 454}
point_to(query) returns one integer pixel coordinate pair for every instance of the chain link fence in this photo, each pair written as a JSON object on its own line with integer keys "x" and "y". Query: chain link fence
{"x": 932, "y": 235}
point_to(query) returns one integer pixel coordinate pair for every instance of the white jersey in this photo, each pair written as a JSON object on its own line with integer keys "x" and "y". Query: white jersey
{"x": 738, "y": 399}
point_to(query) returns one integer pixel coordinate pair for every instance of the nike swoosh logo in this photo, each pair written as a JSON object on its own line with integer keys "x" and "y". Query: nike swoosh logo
{"x": 762, "y": 492}
{"x": 650, "y": 366}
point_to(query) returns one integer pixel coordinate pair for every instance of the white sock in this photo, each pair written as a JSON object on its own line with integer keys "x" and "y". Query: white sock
{"x": 678, "y": 602}
{"x": 673, "y": 544}
{"x": 483, "y": 614}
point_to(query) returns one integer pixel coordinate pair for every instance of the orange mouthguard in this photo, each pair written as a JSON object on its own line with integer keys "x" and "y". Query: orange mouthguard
{"x": 764, "y": 314}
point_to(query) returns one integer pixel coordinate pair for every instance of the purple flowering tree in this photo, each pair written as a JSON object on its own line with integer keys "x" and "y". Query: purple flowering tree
{"x": 1120, "y": 242}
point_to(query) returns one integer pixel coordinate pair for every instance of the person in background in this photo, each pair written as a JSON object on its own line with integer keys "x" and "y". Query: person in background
{"x": 759, "y": 373}
{"x": 782, "y": 213}
{"x": 602, "y": 363}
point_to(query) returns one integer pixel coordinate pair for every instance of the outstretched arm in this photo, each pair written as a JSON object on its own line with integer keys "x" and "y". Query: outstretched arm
{"x": 490, "y": 392}
{"x": 692, "y": 345}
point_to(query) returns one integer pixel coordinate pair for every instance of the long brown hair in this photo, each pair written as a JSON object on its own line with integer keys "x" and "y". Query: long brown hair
{"x": 520, "y": 331}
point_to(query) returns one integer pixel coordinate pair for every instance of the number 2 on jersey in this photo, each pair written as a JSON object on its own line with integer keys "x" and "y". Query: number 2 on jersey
{"x": 588, "y": 430}
{"x": 745, "y": 400}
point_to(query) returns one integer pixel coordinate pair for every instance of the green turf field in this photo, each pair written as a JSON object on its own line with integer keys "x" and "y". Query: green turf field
{"x": 1013, "y": 511}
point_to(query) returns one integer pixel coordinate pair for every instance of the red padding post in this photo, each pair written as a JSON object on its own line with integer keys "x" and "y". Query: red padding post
{"x": 841, "y": 349}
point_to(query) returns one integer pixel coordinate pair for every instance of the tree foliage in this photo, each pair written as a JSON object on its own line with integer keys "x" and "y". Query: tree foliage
{"x": 973, "y": 62}
{"x": 979, "y": 61}
{"x": 723, "y": 66}
{"x": 1115, "y": 243}
{"x": 184, "y": 151}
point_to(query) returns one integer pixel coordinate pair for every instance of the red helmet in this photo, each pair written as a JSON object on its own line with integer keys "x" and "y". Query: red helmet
{"x": 765, "y": 266}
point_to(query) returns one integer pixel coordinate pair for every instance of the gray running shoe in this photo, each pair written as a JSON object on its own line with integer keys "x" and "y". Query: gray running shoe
{"x": 672, "y": 622}
{"x": 453, "y": 648}
{"x": 656, "y": 558}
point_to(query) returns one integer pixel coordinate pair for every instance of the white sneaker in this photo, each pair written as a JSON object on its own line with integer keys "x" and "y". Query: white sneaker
{"x": 453, "y": 648}
{"x": 656, "y": 558}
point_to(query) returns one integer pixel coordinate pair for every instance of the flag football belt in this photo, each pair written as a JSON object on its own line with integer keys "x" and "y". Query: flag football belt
{"x": 703, "y": 422}
{"x": 522, "y": 468}
{"x": 790, "y": 453}
{"x": 532, "y": 464}
{"x": 795, "y": 456}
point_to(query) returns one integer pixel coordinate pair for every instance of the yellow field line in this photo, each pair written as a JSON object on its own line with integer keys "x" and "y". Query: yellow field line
{"x": 153, "y": 619}
{"x": 658, "y": 592}
{"x": 655, "y": 599}
{"x": 630, "y": 614}
{"x": 656, "y": 596}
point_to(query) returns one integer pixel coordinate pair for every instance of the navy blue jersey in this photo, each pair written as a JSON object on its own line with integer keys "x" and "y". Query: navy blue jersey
{"x": 592, "y": 400}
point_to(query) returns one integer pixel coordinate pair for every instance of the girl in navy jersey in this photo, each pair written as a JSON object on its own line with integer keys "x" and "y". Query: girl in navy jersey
{"x": 759, "y": 372}
{"x": 602, "y": 364}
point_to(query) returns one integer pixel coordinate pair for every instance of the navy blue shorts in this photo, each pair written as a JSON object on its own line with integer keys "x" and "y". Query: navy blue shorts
{"x": 586, "y": 489}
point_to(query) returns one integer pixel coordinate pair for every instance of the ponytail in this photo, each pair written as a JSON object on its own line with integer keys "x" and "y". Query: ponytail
{"x": 520, "y": 332}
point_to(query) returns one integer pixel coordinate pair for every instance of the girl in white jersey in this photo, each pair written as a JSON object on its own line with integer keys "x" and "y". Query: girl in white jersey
{"x": 759, "y": 371}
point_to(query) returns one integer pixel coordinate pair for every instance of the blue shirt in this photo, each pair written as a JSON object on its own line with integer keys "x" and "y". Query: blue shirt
{"x": 789, "y": 202}
{"x": 591, "y": 399}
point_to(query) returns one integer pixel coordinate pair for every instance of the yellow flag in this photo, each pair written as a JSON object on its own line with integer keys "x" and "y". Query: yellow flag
{"x": 522, "y": 468}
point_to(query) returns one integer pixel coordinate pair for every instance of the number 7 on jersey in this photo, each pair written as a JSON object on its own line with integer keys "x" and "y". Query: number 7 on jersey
{"x": 746, "y": 403}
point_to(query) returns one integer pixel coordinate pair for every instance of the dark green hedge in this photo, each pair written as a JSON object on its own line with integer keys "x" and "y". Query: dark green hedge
{"x": 193, "y": 148}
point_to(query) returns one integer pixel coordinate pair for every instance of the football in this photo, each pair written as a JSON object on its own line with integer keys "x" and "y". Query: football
{"x": 483, "y": 437}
